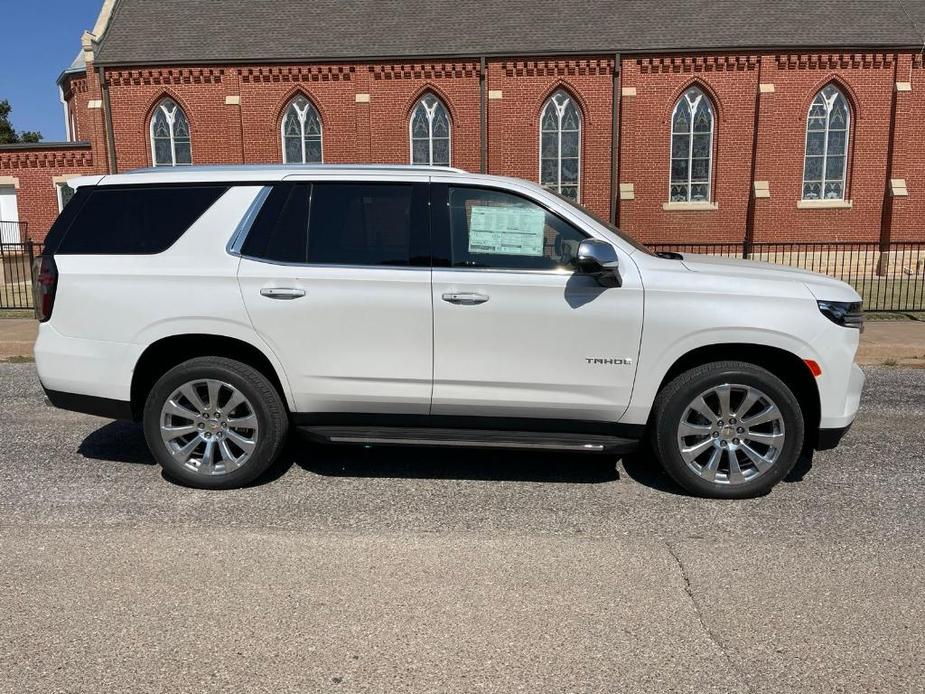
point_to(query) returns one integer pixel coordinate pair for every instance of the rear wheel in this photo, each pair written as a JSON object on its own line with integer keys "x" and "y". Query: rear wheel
{"x": 214, "y": 423}
{"x": 727, "y": 430}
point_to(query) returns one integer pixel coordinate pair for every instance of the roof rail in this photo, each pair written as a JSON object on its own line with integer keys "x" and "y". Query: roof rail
{"x": 296, "y": 168}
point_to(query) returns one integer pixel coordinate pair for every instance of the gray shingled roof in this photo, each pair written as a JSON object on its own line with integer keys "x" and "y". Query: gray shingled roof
{"x": 183, "y": 32}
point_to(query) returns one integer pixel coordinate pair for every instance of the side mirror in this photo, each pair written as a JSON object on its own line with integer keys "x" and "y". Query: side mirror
{"x": 599, "y": 260}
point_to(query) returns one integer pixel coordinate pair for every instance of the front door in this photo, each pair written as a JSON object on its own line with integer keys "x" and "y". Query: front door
{"x": 517, "y": 333}
{"x": 336, "y": 279}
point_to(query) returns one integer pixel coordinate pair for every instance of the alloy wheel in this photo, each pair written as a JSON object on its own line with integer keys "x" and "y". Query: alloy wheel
{"x": 731, "y": 433}
{"x": 209, "y": 427}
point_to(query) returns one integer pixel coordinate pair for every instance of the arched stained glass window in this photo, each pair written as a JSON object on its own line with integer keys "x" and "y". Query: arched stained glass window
{"x": 301, "y": 133}
{"x": 560, "y": 145}
{"x": 691, "y": 148}
{"x": 827, "y": 131}
{"x": 430, "y": 132}
{"x": 170, "y": 137}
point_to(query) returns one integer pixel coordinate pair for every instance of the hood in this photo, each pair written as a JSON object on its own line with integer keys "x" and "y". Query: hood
{"x": 823, "y": 287}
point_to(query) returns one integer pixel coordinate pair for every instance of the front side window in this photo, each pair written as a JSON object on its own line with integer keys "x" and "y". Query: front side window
{"x": 430, "y": 132}
{"x": 365, "y": 224}
{"x": 827, "y": 129}
{"x": 560, "y": 145}
{"x": 495, "y": 229}
{"x": 691, "y": 148}
{"x": 170, "y": 135}
{"x": 301, "y": 133}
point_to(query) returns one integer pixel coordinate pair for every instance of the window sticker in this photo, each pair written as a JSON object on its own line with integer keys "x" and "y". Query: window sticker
{"x": 507, "y": 231}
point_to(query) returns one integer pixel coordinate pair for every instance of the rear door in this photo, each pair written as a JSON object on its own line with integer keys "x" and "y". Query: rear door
{"x": 336, "y": 278}
{"x": 517, "y": 332}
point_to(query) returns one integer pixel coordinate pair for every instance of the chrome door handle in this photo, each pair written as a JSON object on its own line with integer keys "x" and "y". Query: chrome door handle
{"x": 284, "y": 293}
{"x": 465, "y": 299}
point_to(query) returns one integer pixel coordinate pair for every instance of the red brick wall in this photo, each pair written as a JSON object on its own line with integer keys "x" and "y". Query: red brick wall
{"x": 377, "y": 130}
{"x": 266, "y": 91}
{"x": 394, "y": 91}
{"x": 867, "y": 82}
{"x": 134, "y": 94}
{"x": 37, "y": 197}
{"x": 513, "y": 132}
{"x": 731, "y": 81}
{"x": 908, "y": 213}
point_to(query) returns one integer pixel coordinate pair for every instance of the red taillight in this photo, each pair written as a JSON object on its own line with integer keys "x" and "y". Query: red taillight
{"x": 44, "y": 286}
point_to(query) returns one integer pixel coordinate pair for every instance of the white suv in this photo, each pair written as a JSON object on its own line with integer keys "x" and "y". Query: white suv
{"x": 427, "y": 306}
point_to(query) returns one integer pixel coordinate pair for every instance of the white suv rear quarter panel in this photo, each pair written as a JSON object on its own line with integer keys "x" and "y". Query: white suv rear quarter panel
{"x": 110, "y": 307}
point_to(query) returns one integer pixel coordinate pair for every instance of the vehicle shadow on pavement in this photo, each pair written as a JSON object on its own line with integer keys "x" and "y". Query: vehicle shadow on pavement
{"x": 409, "y": 462}
{"x": 643, "y": 468}
{"x": 118, "y": 442}
{"x": 124, "y": 442}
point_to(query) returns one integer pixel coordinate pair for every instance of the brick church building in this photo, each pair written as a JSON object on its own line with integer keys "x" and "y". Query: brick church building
{"x": 681, "y": 120}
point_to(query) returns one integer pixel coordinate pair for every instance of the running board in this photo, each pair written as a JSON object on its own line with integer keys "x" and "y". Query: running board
{"x": 471, "y": 438}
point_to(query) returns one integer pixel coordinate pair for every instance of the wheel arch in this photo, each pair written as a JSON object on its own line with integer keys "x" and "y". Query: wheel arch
{"x": 787, "y": 366}
{"x": 163, "y": 354}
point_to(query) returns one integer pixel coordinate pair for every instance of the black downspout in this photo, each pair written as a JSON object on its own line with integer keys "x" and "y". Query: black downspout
{"x": 615, "y": 141}
{"x": 748, "y": 238}
{"x": 483, "y": 117}
{"x": 107, "y": 123}
{"x": 886, "y": 213}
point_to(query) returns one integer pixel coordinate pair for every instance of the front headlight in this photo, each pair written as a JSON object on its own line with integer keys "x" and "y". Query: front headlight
{"x": 844, "y": 313}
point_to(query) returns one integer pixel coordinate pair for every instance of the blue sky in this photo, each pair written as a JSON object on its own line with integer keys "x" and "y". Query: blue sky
{"x": 40, "y": 39}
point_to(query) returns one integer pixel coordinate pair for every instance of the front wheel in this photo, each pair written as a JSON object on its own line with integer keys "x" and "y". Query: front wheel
{"x": 214, "y": 423}
{"x": 727, "y": 430}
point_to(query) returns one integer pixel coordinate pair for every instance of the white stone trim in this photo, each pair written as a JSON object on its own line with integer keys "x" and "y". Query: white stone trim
{"x": 95, "y": 103}
{"x": 762, "y": 189}
{"x": 57, "y": 180}
{"x": 690, "y": 206}
{"x": 766, "y": 88}
{"x": 9, "y": 181}
{"x": 495, "y": 94}
{"x": 627, "y": 191}
{"x": 904, "y": 86}
{"x": 898, "y": 188}
{"x": 363, "y": 98}
{"x": 628, "y": 91}
{"x": 825, "y": 204}
{"x": 233, "y": 100}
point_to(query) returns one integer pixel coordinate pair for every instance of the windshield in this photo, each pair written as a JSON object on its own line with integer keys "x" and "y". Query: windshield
{"x": 639, "y": 246}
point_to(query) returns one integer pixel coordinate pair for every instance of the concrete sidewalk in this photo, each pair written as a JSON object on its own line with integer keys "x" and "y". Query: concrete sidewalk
{"x": 883, "y": 342}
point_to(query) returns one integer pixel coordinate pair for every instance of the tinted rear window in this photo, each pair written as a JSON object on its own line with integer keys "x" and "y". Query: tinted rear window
{"x": 361, "y": 224}
{"x": 280, "y": 231}
{"x": 131, "y": 220}
{"x": 367, "y": 224}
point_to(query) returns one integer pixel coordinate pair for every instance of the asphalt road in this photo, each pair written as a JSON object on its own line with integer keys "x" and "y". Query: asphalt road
{"x": 387, "y": 570}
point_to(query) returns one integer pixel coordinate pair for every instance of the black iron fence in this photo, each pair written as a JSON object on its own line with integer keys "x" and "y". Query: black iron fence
{"x": 16, "y": 274}
{"x": 890, "y": 277}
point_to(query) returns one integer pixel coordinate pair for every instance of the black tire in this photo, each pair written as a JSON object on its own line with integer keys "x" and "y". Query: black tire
{"x": 268, "y": 408}
{"x": 671, "y": 405}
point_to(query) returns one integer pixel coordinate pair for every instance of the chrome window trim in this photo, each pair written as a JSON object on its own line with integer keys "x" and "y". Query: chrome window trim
{"x": 233, "y": 247}
{"x": 280, "y": 263}
{"x": 561, "y": 272}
